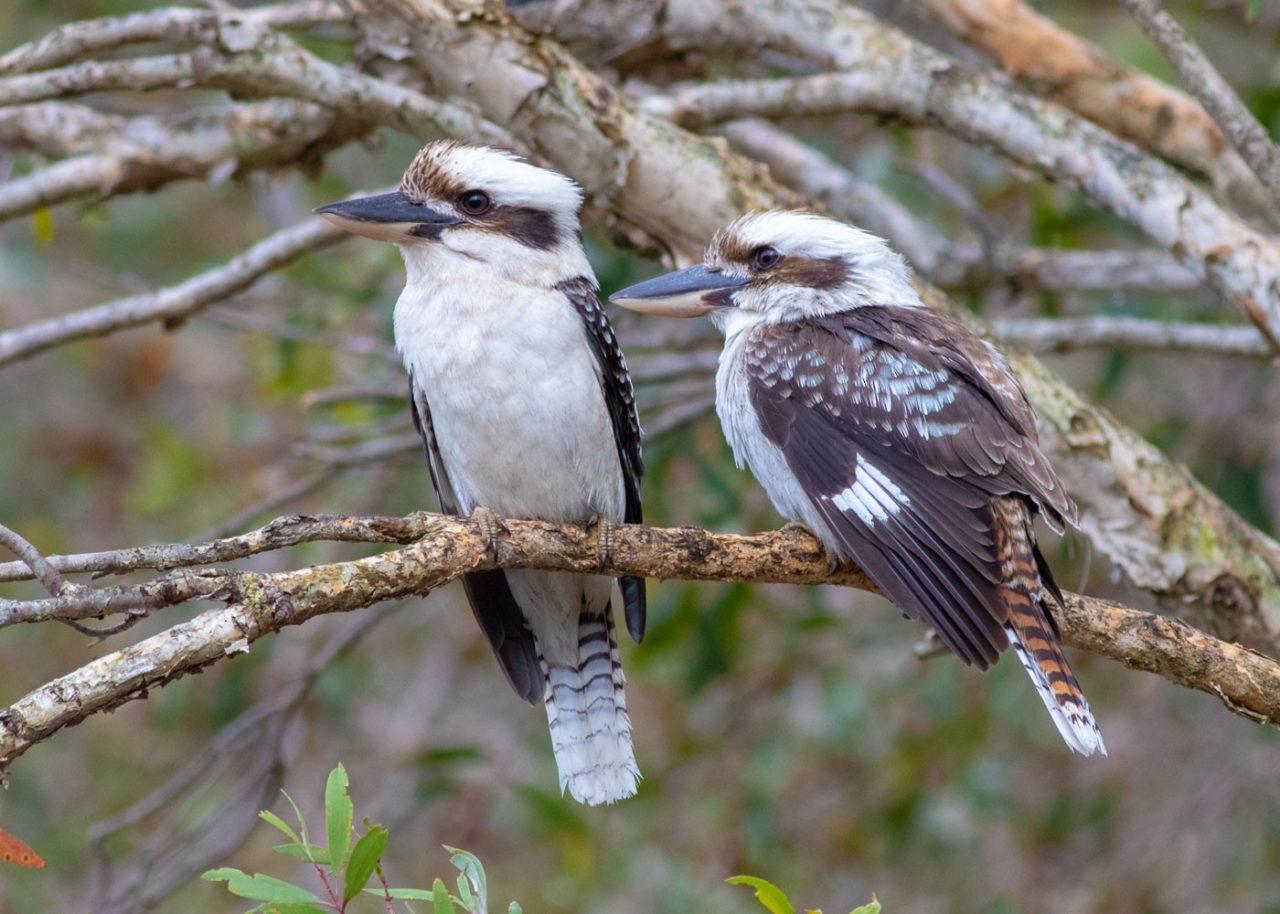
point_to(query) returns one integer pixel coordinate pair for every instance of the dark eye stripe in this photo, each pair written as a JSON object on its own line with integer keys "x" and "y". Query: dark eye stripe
{"x": 810, "y": 272}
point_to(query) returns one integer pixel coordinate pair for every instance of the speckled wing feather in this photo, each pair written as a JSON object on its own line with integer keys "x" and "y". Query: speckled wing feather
{"x": 620, "y": 399}
{"x": 902, "y": 428}
{"x": 488, "y": 592}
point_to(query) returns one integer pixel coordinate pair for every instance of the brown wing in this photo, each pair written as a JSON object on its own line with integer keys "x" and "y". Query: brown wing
{"x": 903, "y": 442}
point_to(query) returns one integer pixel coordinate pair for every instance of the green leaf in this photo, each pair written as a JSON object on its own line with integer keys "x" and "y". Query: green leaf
{"x": 403, "y": 894}
{"x": 514, "y": 908}
{"x": 279, "y": 824}
{"x": 1253, "y": 7}
{"x": 471, "y": 868}
{"x": 767, "y": 894}
{"x": 440, "y": 901}
{"x": 872, "y": 908}
{"x": 312, "y": 853}
{"x": 364, "y": 857}
{"x": 338, "y": 815}
{"x": 286, "y": 907}
{"x": 258, "y": 886}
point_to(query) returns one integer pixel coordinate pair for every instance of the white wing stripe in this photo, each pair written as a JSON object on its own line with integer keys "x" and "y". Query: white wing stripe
{"x": 873, "y": 496}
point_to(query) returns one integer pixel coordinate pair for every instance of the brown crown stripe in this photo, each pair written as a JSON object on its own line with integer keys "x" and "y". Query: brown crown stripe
{"x": 424, "y": 178}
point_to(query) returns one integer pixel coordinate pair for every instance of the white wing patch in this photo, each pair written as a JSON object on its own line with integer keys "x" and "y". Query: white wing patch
{"x": 873, "y": 496}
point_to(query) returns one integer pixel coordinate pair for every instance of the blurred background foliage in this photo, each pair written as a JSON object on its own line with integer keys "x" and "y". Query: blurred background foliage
{"x": 785, "y": 732}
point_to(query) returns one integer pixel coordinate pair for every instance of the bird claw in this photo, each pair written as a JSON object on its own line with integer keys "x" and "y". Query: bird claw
{"x": 490, "y": 526}
{"x": 833, "y": 561}
{"x": 604, "y": 528}
{"x": 929, "y": 646}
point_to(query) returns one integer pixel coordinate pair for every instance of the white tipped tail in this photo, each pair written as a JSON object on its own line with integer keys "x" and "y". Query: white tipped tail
{"x": 1068, "y": 707}
{"x": 587, "y": 714}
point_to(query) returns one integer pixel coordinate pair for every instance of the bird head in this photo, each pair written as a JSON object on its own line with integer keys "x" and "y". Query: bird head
{"x": 779, "y": 266}
{"x": 479, "y": 204}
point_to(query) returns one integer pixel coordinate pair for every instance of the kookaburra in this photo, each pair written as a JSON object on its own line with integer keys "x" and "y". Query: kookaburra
{"x": 900, "y": 438}
{"x": 525, "y": 407}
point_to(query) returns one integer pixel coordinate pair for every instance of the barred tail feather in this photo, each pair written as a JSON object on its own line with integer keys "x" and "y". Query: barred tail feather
{"x": 587, "y": 714}
{"x": 1031, "y": 634}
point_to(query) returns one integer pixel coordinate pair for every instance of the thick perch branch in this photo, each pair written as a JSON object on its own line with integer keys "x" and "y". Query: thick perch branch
{"x": 442, "y": 548}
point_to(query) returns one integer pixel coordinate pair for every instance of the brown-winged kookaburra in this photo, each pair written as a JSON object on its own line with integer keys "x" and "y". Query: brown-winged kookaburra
{"x": 900, "y": 438}
{"x": 523, "y": 400}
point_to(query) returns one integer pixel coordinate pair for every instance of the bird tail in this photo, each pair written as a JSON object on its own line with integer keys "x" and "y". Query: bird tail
{"x": 587, "y": 714}
{"x": 1034, "y": 637}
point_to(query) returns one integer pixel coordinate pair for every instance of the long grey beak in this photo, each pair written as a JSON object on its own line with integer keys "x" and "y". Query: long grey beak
{"x": 388, "y": 217}
{"x": 685, "y": 293}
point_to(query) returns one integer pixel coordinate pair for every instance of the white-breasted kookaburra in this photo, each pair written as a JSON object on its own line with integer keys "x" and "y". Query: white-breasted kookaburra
{"x": 523, "y": 400}
{"x": 900, "y": 438}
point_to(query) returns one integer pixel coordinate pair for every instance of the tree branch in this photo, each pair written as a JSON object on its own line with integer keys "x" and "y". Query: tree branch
{"x": 114, "y": 154}
{"x": 1065, "y": 68}
{"x": 36, "y": 565}
{"x": 1067, "y": 334}
{"x": 443, "y": 548}
{"x": 176, "y": 302}
{"x": 1203, "y": 80}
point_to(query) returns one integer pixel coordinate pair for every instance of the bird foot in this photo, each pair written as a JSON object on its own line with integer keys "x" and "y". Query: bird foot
{"x": 490, "y": 526}
{"x": 604, "y": 527}
{"x": 833, "y": 561}
{"x": 929, "y": 646}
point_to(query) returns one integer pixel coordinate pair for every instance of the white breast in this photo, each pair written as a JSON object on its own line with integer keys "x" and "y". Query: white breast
{"x": 515, "y": 393}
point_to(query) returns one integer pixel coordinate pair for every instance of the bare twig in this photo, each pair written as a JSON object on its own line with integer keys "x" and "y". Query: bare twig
{"x": 253, "y": 322}
{"x": 446, "y": 547}
{"x": 65, "y": 180}
{"x": 304, "y": 484}
{"x": 1204, "y": 81}
{"x": 176, "y": 302}
{"x": 1067, "y": 334}
{"x": 327, "y": 396}
{"x": 38, "y": 566}
{"x": 372, "y": 451}
{"x": 281, "y": 533}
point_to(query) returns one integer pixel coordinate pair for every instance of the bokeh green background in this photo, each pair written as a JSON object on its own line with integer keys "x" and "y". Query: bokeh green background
{"x": 789, "y": 733}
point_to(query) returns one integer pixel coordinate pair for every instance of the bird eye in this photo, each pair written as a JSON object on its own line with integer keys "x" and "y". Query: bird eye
{"x": 763, "y": 258}
{"x": 474, "y": 202}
